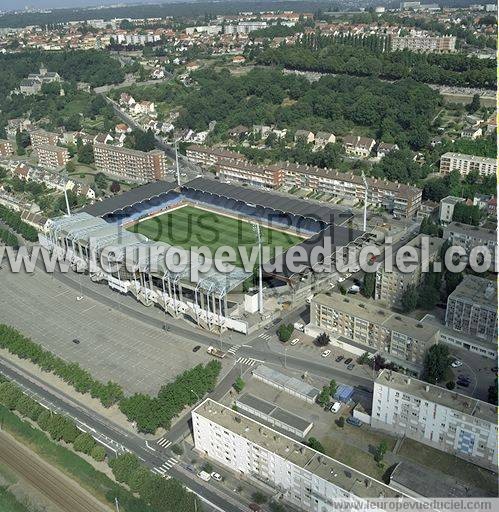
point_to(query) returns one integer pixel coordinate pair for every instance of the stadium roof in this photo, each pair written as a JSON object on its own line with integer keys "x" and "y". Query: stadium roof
{"x": 129, "y": 198}
{"x": 270, "y": 200}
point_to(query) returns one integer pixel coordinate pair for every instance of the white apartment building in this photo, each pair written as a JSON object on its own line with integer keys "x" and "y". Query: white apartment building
{"x": 467, "y": 163}
{"x": 472, "y": 308}
{"x": 424, "y": 43}
{"x": 446, "y": 210}
{"x": 293, "y": 472}
{"x": 436, "y": 416}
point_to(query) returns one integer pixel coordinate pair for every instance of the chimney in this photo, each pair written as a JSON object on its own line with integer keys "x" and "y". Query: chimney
{"x": 427, "y": 388}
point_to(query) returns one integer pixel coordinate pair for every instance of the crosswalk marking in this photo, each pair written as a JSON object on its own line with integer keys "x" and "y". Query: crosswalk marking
{"x": 232, "y": 350}
{"x": 163, "y": 442}
{"x": 265, "y": 336}
{"x": 248, "y": 361}
{"x": 168, "y": 464}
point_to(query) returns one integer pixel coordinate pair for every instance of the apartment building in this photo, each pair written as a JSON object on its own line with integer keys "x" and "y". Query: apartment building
{"x": 392, "y": 283}
{"x": 424, "y": 43}
{"x": 130, "y": 164}
{"x": 403, "y": 200}
{"x": 446, "y": 210}
{"x": 41, "y": 137}
{"x": 472, "y": 308}
{"x": 446, "y": 420}
{"x": 298, "y": 475}
{"x": 51, "y": 156}
{"x": 467, "y": 163}
{"x": 470, "y": 237}
{"x": 398, "y": 338}
{"x": 6, "y": 147}
{"x": 207, "y": 157}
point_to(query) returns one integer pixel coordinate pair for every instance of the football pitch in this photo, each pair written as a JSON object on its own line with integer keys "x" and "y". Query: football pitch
{"x": 190, "y": 226}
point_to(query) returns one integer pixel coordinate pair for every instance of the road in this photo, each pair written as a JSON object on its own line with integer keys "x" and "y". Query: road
{"x": 58, "y": 488}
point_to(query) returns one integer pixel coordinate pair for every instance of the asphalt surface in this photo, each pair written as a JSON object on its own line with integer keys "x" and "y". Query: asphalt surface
{"x": 59, "y": 489}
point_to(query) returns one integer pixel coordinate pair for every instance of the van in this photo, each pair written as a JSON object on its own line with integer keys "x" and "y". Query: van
{"x": 299, "y": 326}
{"x": 204, "y": 476}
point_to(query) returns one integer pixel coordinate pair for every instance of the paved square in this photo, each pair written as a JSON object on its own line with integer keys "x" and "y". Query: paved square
{"x": 112, "y": 345}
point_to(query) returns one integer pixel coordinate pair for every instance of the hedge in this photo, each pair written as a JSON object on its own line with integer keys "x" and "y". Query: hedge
{"x": 7, "y": 238}
{"x": 14, "y": 220}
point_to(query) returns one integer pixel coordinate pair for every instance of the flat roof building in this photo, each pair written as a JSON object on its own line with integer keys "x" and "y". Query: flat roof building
{"x": 42, "y": 137}
{"x": 472, "y": 308}
{"x": 130, "y": 164}
{"x": 6, "y": 147}
{"x": 273, "y": 416}
{"x": 53, "y": 157}
{"x": 436, "y": 416}
{"x": 399, "y": 338}
{"x": 304, "y": 478}
{"x": 467, "y": 163}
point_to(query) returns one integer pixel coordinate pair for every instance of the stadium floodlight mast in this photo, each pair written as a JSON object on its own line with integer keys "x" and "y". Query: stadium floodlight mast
{"x": 65, "y": 177}
{"x": 365, "y": 200}
{"x": 176, "y": 161}
{"x": 256, "y": 229}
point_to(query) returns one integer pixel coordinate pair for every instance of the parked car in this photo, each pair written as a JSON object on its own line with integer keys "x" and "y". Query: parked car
{"x": 339, "y": 359}
{"x": 206, "y": 477}
{"x": 347, "y": 275}
{"x": 354, "y": 421}
{"x": 76, "y": 341}
{"x": 196, "y": 348}
{"x": 294, "y": 341}
{"x": 341, "y": 279}
{"x": 216, "y": 476}
{"x": 326, "y": 353}
{"x": 254, "y": 507}
{"x": 351, "y": 366}
{"x": 463, "y": 383}
{"x": 335, "y": 407}
{"x": 456, "y": 363}
{"x": 348, "y": 361}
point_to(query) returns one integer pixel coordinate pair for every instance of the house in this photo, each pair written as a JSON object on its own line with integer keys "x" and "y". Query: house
{"x": 358, "y": 146}
{"x": 30, "y": 86}
{"x": 384, "y": 148}
{"x": 103, "y": 138}
{"x": 491, "y": 124}
{"x": 238, "y": 59}
{"x": 323, "y": 138}
{"x": 485, "y": 202}
{"x": 157, "y": 73}
{"x": 427, "y": 209}
{"x": 262, "y": 130}
{"x": 304, "y": 136}
{"x": 127, "y": 100}
{"x": 471, "y": 132}
{"x": 447, "y": 205}
{"x": 238, "y": 132}
{"x": 192, "y": 66}
{"x": 122, "y": 128}
{"x": 144, "y": 107}
{"x": 81, "y": 189}
{"x": 22, "y": 171}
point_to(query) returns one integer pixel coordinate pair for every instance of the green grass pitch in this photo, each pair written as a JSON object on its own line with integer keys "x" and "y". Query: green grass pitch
{"x": 189, "y": 226}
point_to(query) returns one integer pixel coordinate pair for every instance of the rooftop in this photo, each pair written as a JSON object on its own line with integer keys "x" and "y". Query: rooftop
{"x": 441, "y": 396}
{"x": 477, "y": 290}
{"x": 296, "y": 453}
{"x": 472, "y": 158}
{"x": 375, "y": 314}
{"x": 452, "y": 200}
{"x": 472, "y": 231}
{"x": 295, "y": 385}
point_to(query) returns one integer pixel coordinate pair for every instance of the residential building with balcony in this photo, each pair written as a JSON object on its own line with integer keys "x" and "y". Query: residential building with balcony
{"x": 6, "y": 147}
{"x": 467, "y": 163}
{"x": 53, "y": 157}
{"x": 448, "y": 421}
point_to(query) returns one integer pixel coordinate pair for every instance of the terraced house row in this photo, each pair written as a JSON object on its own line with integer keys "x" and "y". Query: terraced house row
{"x": 401, "y": 199}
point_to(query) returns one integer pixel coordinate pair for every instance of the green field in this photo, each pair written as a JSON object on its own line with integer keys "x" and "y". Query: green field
{"x": 189, "y": 226}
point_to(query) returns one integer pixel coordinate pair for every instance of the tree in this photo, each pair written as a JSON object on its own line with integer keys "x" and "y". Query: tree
{"x": 474, "y": 106}
{"x": 409, "y": 300}
{"x": 239, "y": 384}
{"x": 115, "y": 187}
{"x": 70, "y": 167}
{"x": 340, "y": 422}
{"x": 20, "y": 143}
{"x": 436, "y": 363}
{"x": 380, "y": 451}
{"x": 452, "y": 280}
{"x": 139, "y": 479}
{"x": 284, "y": 332}
{"x": 428, "y": 296}
{"x": 84, "y": 443}
{"x": 85, "y": 154}
{"x": 322, "y": 340}
{"x": 332, "y": 387}
{"x": 315, "y": 444}
{"x": 98, "y": 453}
{"x": 369, "y": 284}
{"x": 100, "y": 181}
{"x": 450, "y": 384}
{"x": 10, "y": 394}
{"x": 364, "y": 358}
{"x": 259, "y": 497}
{"x": 124, "y": 466}
{"x": 44, "y": 419}
{"x": 324, "y": 396}
{"x": 492, "y": 393}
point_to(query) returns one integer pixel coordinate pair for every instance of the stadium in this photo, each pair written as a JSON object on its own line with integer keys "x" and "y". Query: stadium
{"x": 150, "y": 225}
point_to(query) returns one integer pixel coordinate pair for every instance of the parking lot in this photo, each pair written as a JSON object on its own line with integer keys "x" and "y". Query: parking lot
{"x": 111, "y": 345}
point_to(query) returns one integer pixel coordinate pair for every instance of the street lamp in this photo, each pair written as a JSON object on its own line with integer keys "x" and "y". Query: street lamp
{"x": 197, "y": 396}
{"x": 365, "y": 200}
{"x": 256, "y": 229}
{"x": 176, "y": 162}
